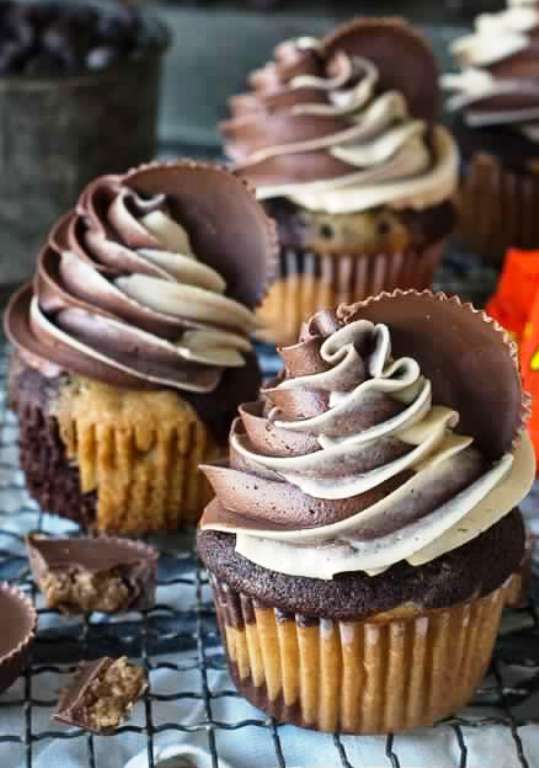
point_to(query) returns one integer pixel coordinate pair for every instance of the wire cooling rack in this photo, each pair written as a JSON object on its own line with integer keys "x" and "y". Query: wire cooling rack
{"x": 178, "y": 642}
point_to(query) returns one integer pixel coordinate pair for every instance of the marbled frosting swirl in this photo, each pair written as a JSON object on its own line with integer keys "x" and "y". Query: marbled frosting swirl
{"x": 349, "y": 464}
{"x": 324, "y": 126}
{"x": 120, "y": 295}
{"x": 498, "y": 83}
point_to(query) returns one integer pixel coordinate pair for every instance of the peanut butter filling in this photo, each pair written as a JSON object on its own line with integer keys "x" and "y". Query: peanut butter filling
{"x": 139, "y": 450}
{"x": 111, "y": 695}
{"x": 80, "y": 590}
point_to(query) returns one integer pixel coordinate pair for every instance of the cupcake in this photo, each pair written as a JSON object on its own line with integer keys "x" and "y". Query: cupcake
{"x": 339, "y": 137}
{"x": 365, "y": 529}
{"x": 132, "y": 345}
{"x": 495, "y": 106}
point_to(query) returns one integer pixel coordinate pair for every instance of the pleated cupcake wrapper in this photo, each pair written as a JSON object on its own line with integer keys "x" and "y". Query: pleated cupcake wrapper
{"x": 391, "y": 673}
{"x": 117, "y": 480}
{"x": 145, "y": 479}
{"x": 498, "y": 208}
{"x": 311, "y": 281}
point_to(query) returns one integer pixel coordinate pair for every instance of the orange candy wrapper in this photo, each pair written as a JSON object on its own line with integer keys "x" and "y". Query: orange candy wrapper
{"x": 515, "y": 305}
{"x": 515, "y": 294}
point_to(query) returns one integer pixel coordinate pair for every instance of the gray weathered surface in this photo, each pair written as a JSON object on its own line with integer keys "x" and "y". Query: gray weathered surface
{"x": 55, "y": 136}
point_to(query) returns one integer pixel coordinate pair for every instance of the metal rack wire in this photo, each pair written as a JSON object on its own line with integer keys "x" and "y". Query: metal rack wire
{"x": 179, "y": 636}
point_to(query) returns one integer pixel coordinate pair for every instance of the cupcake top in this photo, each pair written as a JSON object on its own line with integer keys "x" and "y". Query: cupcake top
{"x": 344, "y": 123}
{"x": 150, "y": 281}
{"x": 378, "y": 444}
{"x": 498, "y": 84}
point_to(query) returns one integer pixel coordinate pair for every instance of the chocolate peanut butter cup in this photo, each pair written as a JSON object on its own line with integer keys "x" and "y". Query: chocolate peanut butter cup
{"x": 378, "y": 40}
{"x": 476, "y": 372}
{"x": 133, "y": 345}
{"x": 101, "y": 695}
{"x": 83, "y": 574}
{"x": 19, "y": 621}
{"x": 338, "y": 135}
{"x": 365, "y": 529}
{"x": 203, "y": 197}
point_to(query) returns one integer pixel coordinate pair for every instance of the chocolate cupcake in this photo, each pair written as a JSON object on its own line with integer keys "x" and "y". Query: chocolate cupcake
{"x": 495, "y": 107}
{"x": 132, "y": 345}
{"x": 339, "y": 137}
{"x": 365, "y": 529}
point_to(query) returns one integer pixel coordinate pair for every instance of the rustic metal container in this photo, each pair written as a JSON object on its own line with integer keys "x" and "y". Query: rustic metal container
{"x": 56, "y": 134}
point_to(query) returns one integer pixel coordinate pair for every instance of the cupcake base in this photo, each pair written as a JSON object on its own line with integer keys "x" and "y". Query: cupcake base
{"x": 498, "y": 208}
{"x": 312, "y": 281}
{"x": 111, "y": 459}
{"x": 392, "y": 672}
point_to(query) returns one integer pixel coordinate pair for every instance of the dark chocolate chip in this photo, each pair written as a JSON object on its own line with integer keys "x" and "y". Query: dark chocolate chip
{"x": 326, "y": 231}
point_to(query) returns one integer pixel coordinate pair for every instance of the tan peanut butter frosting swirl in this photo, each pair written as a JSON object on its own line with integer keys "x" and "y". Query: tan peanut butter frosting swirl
{"x": 330, "y": 126}
{"x": 498, "y": 83}
{"x": 129, "y": 287}
{"x": 359, "y": 456}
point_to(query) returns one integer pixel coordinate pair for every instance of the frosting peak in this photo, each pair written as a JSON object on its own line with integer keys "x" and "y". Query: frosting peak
{"x": 349, "y": 461}
{"x": 328, "y": 127}
{"x": 124, "y": 291}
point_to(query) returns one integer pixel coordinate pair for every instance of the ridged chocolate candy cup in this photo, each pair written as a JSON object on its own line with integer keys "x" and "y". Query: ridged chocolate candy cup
{"x": 19, "y": 622}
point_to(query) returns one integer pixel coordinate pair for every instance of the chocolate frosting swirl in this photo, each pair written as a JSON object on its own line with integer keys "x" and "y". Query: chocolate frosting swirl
{"x": 329, "y": 125}
{"x": 349, "y": 462}
{"x": 498, "y": 83}
{"x": 141, "y": 288}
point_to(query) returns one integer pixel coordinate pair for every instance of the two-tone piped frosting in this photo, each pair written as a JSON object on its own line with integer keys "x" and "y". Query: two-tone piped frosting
{"x": 395, "y": 434}
{"x": 150, "y": 282}
{"x": 336, "y": 124}
{"x": 498, "y": 82}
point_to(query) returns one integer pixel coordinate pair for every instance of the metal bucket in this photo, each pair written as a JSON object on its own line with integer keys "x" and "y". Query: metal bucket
{"x": 56, "y": 134}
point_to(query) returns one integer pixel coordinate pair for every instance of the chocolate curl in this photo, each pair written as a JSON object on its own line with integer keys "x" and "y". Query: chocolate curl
{"x": 515, "y": 295}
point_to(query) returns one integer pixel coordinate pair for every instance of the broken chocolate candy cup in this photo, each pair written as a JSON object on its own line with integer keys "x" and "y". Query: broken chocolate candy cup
{"x": 227, "y": 227}
{"x": 469, "y": 358}
{"x": 19, "y": 621}
{"x": 403, "y": 57}
{"x": 101, "y": 695}
{"x": 83, "y": 574}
